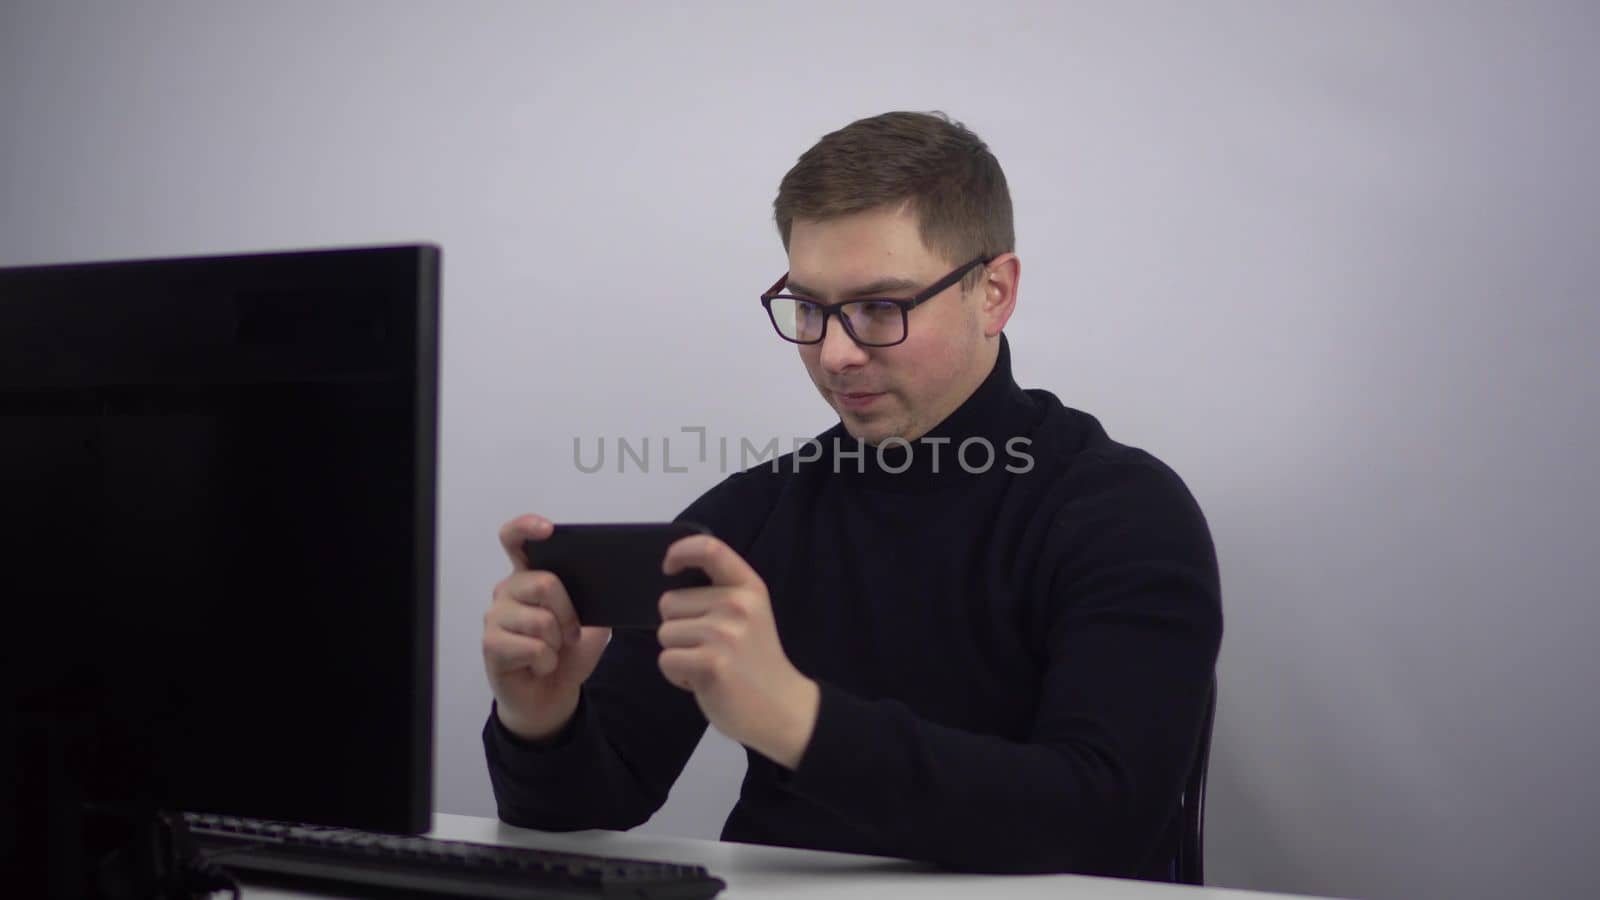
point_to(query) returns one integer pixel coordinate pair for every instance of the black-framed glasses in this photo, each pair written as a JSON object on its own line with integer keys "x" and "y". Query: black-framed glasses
{"x": 870, "y": 321}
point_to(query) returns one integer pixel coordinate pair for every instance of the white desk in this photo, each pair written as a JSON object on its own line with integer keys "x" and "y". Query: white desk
{"x": 753, "y": 871}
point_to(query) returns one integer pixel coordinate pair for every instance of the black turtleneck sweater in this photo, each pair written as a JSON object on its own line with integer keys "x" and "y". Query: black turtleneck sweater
{"x": 1013, "y": 664}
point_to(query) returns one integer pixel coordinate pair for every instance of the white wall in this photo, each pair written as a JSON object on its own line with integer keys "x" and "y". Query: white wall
{"x": 1336, "y": 263}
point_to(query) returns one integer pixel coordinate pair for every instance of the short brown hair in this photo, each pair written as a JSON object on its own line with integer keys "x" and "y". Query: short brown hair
{"x": 942, "y": 171}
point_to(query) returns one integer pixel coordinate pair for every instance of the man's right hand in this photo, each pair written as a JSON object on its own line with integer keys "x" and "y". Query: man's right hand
{"x": 536, "y": 653}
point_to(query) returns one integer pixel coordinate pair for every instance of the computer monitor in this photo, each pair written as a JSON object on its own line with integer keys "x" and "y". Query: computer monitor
{"x": 217, "y": 521}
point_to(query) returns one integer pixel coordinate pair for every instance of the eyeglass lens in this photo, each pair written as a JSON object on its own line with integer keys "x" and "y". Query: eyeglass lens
{"x": 869, "y": 321}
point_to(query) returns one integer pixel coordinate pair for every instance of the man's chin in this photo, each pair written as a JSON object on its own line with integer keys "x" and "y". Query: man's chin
{"x": 868, "y": 430}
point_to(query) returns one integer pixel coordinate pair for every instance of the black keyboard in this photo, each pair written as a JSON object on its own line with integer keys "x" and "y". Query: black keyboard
{"x": 365, "y": 862}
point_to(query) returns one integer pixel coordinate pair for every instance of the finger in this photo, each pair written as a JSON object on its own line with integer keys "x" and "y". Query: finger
{"x": 529, "y": 621}
{"x": 543, "y": 589}
{"x": 685, "y": 603}
{"x": 719, "y": 561}
{"x": 523, "y": 528}
{"x": 685, "y": 633}
{"x": 504, "y": 652}
{"x": 688, "y": 668}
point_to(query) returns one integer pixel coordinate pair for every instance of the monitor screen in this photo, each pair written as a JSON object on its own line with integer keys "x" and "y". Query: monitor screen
{"x": 218, "y": 525}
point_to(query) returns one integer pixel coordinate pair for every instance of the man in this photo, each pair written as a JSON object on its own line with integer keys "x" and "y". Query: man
{"x": 964, "y": 627}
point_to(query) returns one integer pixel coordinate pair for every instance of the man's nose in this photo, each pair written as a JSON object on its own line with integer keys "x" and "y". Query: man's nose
{"x": 839, "y": 350}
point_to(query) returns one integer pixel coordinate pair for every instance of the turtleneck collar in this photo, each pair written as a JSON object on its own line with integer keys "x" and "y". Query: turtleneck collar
{"x": 986, "y": 423}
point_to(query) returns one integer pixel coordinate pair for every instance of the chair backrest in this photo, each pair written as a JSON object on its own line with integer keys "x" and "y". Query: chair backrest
{"x": 1190, "y": 864}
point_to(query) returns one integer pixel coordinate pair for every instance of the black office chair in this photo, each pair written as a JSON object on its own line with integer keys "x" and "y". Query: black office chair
{"x": 1190, "y": 864}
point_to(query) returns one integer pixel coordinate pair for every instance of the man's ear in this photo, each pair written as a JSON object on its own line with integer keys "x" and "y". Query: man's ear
{"x": 999, "y": 288}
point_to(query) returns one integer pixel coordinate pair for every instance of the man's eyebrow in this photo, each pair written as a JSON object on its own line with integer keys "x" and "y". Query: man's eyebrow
{"x": 881, "y": 287}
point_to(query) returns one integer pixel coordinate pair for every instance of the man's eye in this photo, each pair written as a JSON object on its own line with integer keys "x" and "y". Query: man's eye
{"x": 876, "y": 308}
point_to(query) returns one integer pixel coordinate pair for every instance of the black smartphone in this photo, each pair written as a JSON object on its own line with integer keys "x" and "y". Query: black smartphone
{"x": 613, "y": 572}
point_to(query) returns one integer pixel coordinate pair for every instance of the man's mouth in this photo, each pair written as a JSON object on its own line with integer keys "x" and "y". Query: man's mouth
{"x": 856, "y": 400}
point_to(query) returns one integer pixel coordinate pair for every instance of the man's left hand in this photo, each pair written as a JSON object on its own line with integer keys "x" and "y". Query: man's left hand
{"x": 721, "y": 643}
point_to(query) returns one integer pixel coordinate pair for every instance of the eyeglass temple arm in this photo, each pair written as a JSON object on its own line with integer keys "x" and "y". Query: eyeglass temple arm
{"x": 933, "y": 290}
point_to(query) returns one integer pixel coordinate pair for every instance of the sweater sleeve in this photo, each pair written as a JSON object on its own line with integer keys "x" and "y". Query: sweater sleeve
{"x": 614, "y": 763}
{"x": 1129, "y": 618}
